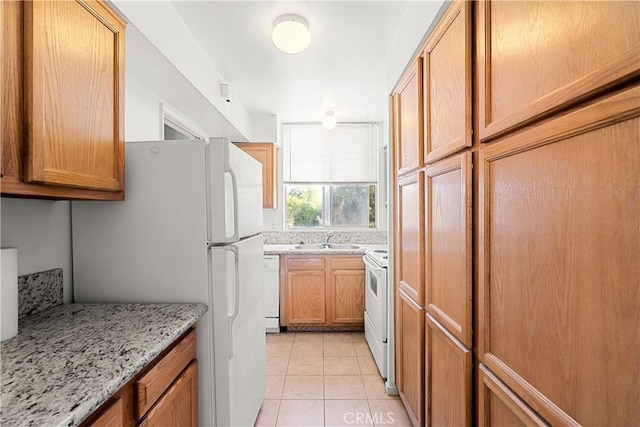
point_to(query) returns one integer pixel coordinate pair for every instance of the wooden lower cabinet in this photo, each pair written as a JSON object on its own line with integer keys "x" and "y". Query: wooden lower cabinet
{"x": 347, "y": 290}
{"x": 410, "y": 356}
{"x": 499, "y": 406}
{"x": 113, "y": 415}
{"x": 559, "y": 238}
{"x": 322, "y": 290}
{"x": 447, "y": 378}
{"x": 306, "y": 296}
{"x": 164, "y": 394}
{"x": 179, "y": 405}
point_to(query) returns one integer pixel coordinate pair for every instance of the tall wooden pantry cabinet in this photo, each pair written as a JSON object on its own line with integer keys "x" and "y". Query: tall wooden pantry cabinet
{"x": 409, "y": 247}
{"x": 531, "y": 205}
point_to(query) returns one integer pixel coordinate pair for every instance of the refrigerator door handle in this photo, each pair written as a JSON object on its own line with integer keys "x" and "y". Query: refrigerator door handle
{"x": 236, "y": 299}
{"x": 234, "y": 189}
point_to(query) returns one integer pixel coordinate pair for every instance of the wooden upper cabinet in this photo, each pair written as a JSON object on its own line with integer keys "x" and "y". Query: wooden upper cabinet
{"x": 409, "y": 236}
{"x": 447, "y": 378}
{"x": 12, "y": 107}
{"x": 409, "y": 129}
{"x": 448, "y": 244}
{"x": 447, "y": 84}
{"x": 559, "y": 270}
{"x": 64, "y": 102}
{"x": 537, "y": 57}
{"x": 266, "y": 154}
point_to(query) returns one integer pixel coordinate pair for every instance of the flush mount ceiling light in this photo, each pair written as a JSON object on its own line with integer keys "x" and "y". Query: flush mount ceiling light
{"x": 329, "y": 120}
{"x": 291, "y": 33}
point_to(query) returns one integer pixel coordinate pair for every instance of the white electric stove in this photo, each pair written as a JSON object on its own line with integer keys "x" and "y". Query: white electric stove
{"x": 376, "y": 303}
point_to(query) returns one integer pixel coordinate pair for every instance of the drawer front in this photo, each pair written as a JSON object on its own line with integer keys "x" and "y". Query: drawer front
{"x": 150, "y": 386}
{"x": 305, "y": 263}
{"x": 354, "y": 263}
{"x": 179, "y": 405}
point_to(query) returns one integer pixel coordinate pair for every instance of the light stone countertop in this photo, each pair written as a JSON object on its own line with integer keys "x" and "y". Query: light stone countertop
{"x": 286, "y": 249}
{"x": 68, "y": 360}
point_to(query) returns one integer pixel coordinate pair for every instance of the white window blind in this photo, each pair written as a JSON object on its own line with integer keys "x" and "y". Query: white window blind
{"x": 346, "y": 154}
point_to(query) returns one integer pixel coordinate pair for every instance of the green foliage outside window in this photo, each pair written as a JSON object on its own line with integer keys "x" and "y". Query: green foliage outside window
{"x": 304, "y": 206}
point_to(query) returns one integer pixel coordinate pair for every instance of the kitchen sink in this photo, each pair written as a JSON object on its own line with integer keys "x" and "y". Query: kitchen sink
{"x": 320, "y": 246}
{"x": 309, "y": 246}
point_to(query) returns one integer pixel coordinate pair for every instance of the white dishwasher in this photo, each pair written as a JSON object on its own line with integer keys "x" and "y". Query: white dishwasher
{"x": 272, "y": 293}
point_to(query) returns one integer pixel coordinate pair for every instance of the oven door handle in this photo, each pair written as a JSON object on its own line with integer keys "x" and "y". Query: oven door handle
{"x": 370, "y": 265}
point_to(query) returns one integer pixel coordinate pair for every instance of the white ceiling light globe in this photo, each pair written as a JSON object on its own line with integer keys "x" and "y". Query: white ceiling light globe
{"x": 329, "y": 121}
{"x": 291, "y": 33}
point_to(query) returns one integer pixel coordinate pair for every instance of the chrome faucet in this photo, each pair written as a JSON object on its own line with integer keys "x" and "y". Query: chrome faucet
{"x": 326, "y": 239}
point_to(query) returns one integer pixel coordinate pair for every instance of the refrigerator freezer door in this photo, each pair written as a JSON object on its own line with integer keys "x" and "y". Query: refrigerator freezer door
{"x": 240, "y": 343}
{"x": 151, "y": 247}
{"x": 236, "y": 206}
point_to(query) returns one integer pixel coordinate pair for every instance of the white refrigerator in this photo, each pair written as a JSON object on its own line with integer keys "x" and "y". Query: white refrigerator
{"x": 189, "y": 231}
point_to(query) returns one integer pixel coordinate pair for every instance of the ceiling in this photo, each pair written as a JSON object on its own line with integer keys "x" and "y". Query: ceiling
{"x": 344, "y": 68}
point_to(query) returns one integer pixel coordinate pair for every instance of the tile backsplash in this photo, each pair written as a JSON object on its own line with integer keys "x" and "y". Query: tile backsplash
{"x": 297, "y": 237}
{"x": 39, "y": 291}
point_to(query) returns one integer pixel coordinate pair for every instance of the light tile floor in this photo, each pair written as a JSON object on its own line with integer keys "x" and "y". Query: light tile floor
{"x": 325, "y": 379}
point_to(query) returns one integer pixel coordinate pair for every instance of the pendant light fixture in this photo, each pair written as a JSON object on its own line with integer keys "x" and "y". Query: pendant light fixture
{"x": 291, "y": 33}
{"x": 329, "y": 120}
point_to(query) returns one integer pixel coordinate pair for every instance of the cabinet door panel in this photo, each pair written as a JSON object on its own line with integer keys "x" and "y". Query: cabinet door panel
{"x": 409, "y": 121}
{"x": 447, "y": 84}
{"x": 348, "y": 296}
{"x": 499, "y": 406}
{"x": 559, "y": 267}
{"x": 179, "y": 405}
{"x": 448, "y": 378}
{"x": 11, "y": 97}
{"x": 74, "y": 90}
{"x": 518, "y": 41}
{"x": 410, "y": 242}
{"x": 265, "y": 153}
{"x": 112, "y": 416}
{"x": 306, "y": 295}
{"x": 448, "y": 244}
{"x": 410, "y": 356}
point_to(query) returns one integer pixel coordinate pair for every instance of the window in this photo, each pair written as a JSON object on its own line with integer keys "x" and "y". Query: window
{"x": 331, "y": 177}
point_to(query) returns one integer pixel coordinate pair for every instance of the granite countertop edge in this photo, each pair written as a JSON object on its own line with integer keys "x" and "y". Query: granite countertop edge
{"x": 111, "y": 367}
{"x": 286, "y": 249}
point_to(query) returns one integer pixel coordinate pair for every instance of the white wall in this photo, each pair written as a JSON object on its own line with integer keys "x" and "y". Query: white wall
{"x": 171, "y": 37}
{"x": 142, "y": 112}
{"x": 264, "y": 127}
{"x": 416, "y": 24}
{"x": 41, "y": 230}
